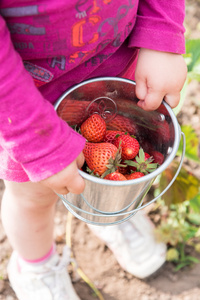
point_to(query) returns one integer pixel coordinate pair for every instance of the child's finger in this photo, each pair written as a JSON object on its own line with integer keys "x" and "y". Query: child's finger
{"x": 67, "y": 180}
{"x": 63, "y": 186}
{"x": 61, "y": 190}
{"x": 152, "y": 100}
{"x": 172, "y": 99}
{"x": 77, "y": 185}
{"x": 141, "y": 89}
{"x": 80, "y": 160}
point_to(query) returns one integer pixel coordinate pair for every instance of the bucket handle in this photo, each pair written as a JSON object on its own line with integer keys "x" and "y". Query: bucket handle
{"x": 69, "y": 205}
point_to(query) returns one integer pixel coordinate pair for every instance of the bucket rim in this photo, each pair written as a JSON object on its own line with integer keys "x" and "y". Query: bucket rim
{"x": 148, "y": 177}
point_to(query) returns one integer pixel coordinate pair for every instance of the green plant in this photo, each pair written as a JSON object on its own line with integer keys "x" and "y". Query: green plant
{"x": 179, "y": 230}
{"x": 192, "y": 59}
{"x": 180, "y": 205}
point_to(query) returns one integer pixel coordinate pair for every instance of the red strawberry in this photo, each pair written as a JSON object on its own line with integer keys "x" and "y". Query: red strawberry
{"x": 162, "y": 109}
{"x": 115, "y": 176}
{"x": 110, "y": 135}
{"x": 162, "y": 131}
{"x": 72, "y": 111}
{"x": 158, "y": 157}
{"x": 123, "y": 168}
{"x": 129, "y": 146}
{"x": 146, "y": 145}
{"x": 134, "y": 175}
{"x": 122, "y": 123}
{"x": 99, "y": 156}
{"x": 146, "y": 156}
{"x": 94, "y": 128}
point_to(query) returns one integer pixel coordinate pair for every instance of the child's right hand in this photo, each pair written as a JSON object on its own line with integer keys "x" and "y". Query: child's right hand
{"x": 67, "y": 180}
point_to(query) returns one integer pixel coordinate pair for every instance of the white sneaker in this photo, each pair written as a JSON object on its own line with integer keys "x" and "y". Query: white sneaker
{"x": 134, "y": 245}
{"x": 49, "y": 281}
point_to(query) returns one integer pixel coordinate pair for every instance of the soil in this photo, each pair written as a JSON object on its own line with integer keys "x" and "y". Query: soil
{"x": 103, "y": 270}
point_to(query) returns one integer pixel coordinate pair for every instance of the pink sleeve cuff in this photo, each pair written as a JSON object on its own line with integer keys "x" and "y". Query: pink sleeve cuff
{"x": 53, "y": 163}
{"x": 151, "y": 38}
{"x": 159, "y": 26}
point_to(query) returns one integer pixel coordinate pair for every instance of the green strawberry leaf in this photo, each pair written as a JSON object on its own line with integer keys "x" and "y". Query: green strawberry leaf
{"x": 192, "y": 143}
{"x": 185, "y": 187}
{"x": 131, "y": 163}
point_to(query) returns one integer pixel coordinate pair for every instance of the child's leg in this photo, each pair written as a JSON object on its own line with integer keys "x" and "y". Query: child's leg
{"x": 28, "y": 218}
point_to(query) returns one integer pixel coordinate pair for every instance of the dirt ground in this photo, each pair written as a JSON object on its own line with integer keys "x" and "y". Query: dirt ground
{"x": 102, "y": 269}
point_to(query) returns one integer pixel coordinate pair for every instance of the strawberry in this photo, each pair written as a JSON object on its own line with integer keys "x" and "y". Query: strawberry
{"x": 162, "y": 109}
{"x": 122, "y": 123}
{"x": 94, "y": 128}
{"x": 134, "y": 175}
{"x": 142, "y": 163}
{"x": 145, "y": 145}
{"x": 72, "y": 111}
{"x": 158, "y": 157}
{"x": 111, "y": 135}
{"x": 162, "y": 131}
{"x": 129, "y": 146}
{"x": 115, "y": 176}
{"x": 146, "y": 156}
{"x": 101, "y": 157}
{"x": 123, "y": 168}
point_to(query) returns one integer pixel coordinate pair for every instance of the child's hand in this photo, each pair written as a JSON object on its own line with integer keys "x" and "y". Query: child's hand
{"x": 67, "y": 180}
{"x": 158, "y": 76}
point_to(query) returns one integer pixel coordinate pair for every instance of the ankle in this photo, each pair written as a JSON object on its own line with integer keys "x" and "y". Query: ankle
{"x": 23, "y": 262}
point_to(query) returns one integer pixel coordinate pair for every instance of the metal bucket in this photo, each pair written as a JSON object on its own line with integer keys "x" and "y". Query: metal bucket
{"x": 106, "y": 202}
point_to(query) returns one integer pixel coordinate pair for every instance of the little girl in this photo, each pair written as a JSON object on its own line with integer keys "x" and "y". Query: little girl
{"x": 45, "y": 48}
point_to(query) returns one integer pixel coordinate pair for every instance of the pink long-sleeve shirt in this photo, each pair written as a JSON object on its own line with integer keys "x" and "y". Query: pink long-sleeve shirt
{"x": 48, "y": 46}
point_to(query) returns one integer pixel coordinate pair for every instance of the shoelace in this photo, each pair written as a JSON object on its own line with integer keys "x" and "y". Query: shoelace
{"x": 57, "y": 270}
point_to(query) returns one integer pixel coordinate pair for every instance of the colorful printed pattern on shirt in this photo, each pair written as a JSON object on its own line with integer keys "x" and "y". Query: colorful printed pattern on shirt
{"x": 54, "y": 37}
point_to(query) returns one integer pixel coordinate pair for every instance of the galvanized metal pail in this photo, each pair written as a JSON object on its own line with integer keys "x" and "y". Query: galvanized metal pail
{"x": 106, "y": 202}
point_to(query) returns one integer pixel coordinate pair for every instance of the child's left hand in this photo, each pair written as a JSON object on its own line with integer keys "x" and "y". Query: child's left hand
{"x": 158, "y": 76}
